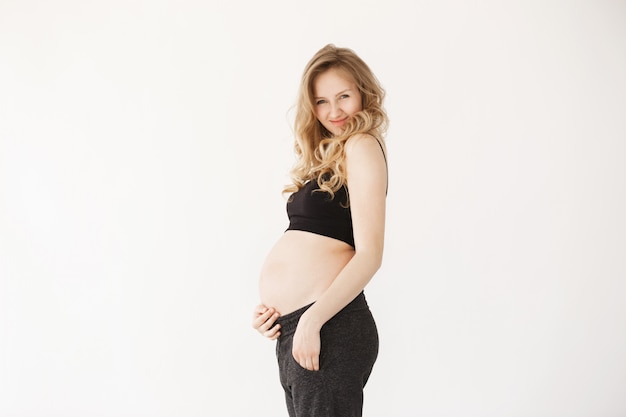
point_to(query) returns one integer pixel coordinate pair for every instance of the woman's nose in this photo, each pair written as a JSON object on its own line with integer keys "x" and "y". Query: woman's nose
{"x": 335, "y": 110}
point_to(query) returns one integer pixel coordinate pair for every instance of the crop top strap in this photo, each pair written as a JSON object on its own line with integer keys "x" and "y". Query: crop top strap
{"x": 386, "y": 164}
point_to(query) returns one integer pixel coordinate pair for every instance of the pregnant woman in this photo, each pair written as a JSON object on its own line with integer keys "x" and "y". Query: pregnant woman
{"x": 313, "y": 279}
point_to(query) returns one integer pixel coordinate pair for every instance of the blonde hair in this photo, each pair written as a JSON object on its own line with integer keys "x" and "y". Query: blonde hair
{"x": 319, "y": 154}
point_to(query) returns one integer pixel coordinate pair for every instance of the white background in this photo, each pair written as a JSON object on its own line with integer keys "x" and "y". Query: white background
{"x": 143, "y": 147}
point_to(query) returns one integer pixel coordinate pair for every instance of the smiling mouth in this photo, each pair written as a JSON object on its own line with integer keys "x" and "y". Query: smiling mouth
{"x": 339, "y": 122}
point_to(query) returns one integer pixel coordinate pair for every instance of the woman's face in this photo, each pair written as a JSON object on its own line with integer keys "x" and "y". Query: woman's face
{"x": 336, "y": 98}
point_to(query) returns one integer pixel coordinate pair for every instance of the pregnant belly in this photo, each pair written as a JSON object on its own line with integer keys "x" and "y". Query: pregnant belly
{"x": 299, "y": 268}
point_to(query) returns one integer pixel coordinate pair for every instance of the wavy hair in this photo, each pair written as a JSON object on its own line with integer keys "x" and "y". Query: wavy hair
{"x": 320, "y": 154}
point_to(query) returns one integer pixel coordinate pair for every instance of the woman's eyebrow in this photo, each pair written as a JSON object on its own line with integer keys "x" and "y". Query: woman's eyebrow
{"x": 338, "y": 94}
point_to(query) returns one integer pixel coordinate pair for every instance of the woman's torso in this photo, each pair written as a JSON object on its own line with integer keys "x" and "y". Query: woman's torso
{"x": 316, "y": 246}
{"x": 299, "y": 268}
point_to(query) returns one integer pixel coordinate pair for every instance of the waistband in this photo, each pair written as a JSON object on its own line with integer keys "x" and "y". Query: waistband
{"x": 289, "y": 322}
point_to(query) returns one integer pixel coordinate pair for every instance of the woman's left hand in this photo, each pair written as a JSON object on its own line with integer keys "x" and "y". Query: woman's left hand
{"x": 306, "y": 345}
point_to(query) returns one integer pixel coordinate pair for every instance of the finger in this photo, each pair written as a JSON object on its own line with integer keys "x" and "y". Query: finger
{"x": 302, "y": 362}
{"x": 271, "y": 330}
{"x": 261, "y": 308}
{"x": 315, "y": 363}
{"x": 262, "y": 319}
{"x": 269, "y": 322}
{"x": 258, "y": 321}
{"x": 257, "y": 318}
{"x": 272, "y": 333}
{"x": 275, "y": 336}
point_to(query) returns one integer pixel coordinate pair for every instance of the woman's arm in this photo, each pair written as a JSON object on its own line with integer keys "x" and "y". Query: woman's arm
{"x": 367, "y": 183}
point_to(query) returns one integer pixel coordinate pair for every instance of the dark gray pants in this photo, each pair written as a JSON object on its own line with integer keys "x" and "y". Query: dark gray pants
{"x": 349, "y": 347}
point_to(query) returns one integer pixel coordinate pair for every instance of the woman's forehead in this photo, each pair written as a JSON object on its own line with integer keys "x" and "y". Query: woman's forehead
{"x": 333, "y": 80}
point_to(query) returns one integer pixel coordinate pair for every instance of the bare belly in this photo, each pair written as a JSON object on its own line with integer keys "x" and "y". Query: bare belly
{"x": 299, "y": 268}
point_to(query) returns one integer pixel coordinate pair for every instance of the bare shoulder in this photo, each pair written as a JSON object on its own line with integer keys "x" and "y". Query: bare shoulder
{"x": 366, "y": 169}
{"x": 364, "y": 142}
{"x": 366, "y": 160}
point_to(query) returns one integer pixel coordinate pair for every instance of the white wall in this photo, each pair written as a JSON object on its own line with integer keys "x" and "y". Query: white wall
{"x": 143, "y": 147}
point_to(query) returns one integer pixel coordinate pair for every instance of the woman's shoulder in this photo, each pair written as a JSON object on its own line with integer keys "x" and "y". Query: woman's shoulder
{"x": 360, "y": 137}
{"x": 364, "y": 142}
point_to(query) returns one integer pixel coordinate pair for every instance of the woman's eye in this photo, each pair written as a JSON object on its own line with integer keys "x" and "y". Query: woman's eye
{"x": 318, "y": 102}
{"x": 344, "y": 96}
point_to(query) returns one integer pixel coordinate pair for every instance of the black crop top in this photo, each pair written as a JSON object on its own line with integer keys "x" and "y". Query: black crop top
{"x": 315, "y": 212}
